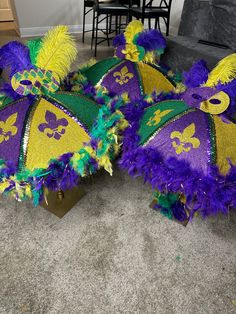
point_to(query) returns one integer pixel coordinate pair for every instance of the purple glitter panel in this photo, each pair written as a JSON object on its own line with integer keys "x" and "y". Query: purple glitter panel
{"x": 194, "y": 96}
{"x": 124, "y": 78}
{"x": 186, "y": 139}
{"x": 12, "y": 121}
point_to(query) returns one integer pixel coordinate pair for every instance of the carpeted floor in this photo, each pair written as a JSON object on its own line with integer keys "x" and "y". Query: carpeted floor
{"x": 112, "y": 254}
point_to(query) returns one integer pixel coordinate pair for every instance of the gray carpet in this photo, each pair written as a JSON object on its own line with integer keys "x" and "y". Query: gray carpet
{"x": 112, "y": 254}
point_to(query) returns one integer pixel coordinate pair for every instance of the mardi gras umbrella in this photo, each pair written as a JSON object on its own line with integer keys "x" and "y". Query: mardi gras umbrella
{"x": 49, "y": 139}
{"x": 133, "y": 70}
{"x": 187, "y": 151}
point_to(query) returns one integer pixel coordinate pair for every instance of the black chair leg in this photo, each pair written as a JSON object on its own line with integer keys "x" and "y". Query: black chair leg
{"x": 96, "y": 36}
{"x": 157, "y": 22}
{"x": 84, "y": 14}
{"x": 167, "y": 26}
{"x": 149, "y": 23}
{"x": 119, "y": 24}
{"x": 92, "y": 39}
{"x": 110, "y": 23}
{"x": 107, "y": 30}
{"x": 116, "y": 25}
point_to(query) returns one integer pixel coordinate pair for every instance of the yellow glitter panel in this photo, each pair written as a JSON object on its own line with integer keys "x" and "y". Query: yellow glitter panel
{"x": 217, "y": 104}
{"x": 225, "y": 143}
{"x": 154, "y": 80}
{"x": 52, "y": 133}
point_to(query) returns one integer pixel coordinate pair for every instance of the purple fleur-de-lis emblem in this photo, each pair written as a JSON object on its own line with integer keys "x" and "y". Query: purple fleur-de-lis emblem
{"x": 54, "y": 128}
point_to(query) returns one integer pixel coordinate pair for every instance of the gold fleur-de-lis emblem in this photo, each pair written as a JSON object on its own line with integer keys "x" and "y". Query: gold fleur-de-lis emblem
{"x": 184, "y": 142}
{"x": 123, "y": 76}
{"x": 157, "y": 116}
{"x": 7, "y": 128}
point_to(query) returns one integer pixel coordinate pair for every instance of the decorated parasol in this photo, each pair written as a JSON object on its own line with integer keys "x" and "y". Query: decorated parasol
{"x": 186, "y": 149}
{"x": 133, "y": 69}
{"x": 50, "y": 139}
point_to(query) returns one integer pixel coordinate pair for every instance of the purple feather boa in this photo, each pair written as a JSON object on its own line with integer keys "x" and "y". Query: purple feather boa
{"x": 151, "y": 40}
{"x": 197, "y": 75}
{"x": 208, "y": 195}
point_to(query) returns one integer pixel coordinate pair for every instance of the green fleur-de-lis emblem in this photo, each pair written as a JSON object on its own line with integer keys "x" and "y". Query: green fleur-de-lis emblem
{"x": 7, "y": 128}
{"x": 184, "y": 142}
{"x": 123, "y": 76}
{"x": 157, "y": 116}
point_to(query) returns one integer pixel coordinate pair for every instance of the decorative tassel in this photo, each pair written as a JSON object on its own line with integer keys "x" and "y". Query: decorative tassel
{"x": 58, "y": 51}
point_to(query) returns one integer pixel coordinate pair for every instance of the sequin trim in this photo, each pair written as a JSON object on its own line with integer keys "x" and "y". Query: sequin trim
{"x": 212, "y": 140}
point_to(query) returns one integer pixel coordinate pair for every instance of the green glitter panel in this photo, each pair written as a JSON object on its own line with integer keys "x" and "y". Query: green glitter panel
{"x": 96, "y": 72}
{"x": 149, "y": 125}
{"x": 85, "y": 109}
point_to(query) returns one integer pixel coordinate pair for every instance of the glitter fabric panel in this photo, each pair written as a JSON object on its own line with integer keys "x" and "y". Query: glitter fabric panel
{"x": 185, "y": 139}
{"x": 123, "y": 79}
{"x": 158, "y": 114}
{"x": 52, "y": 133}
{"x": 83, "y": 108}
{"x": 12, "y": 121}
{"x": 225, "y": 143}
{"x": 154, "y": 80}
{"x": 96, "y": 72}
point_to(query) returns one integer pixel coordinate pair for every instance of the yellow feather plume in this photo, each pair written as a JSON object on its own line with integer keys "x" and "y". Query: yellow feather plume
{"x": 224, "y": 72}
{"x": 132, "y": 29}
{"x": 58, "y": 51}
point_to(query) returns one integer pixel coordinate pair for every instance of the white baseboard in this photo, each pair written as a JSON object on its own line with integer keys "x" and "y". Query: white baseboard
{"x": 40, "y": 31}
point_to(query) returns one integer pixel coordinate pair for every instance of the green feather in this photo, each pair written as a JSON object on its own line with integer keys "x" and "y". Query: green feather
{"x": 34, "y": 47}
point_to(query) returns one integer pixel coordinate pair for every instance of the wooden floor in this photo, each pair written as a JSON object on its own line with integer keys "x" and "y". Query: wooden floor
{"x": 7, "y": 32}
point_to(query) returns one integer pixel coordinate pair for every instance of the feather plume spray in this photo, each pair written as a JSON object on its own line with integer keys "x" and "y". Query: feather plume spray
{"x": 224, "y": 72}
{"x": 58, "y": 51}
{"x": 34, "y": 48}
{"x": 151, "y": 40}
{"x": 133, "y": 29}
{"x": 15, "y": 56}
